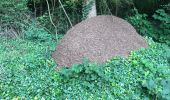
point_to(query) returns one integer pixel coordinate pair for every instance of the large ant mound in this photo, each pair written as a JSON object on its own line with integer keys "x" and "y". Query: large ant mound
{"x": 98, "y": 39}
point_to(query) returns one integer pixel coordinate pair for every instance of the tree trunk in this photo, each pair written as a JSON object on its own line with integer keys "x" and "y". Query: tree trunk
{"x": 92, "y": 12}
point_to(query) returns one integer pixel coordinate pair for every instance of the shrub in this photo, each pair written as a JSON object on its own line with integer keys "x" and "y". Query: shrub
{"x": 141, "y": 24}
{"x": 12, "y": 14}
{"x": 149, "y": 6}
{"x": 163, "y": 19}
{"x": 34, "y": 32}
{"x": 157, "y": 28}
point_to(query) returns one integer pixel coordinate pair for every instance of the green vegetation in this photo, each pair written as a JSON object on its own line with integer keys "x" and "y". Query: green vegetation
{"x": 13, "y": 14}
{"x": 27, "y": 70}
{"x": 24, "y": 65}
{"x": 158, "y": 28}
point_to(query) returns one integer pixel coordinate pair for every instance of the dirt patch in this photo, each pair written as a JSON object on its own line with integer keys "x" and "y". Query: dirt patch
{"x": 98, "y": 39}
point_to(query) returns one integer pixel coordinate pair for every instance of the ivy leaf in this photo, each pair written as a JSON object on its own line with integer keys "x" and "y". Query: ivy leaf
{"x": 151, "y": 84}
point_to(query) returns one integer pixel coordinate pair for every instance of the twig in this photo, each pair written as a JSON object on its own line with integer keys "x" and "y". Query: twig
{"x": 107, "y": 6}
{"x": 51, "y": 19}
{"x": 65, "y": 13}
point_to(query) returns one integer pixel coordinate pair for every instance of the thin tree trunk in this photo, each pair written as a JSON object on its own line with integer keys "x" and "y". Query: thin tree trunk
{"x": 92, "y": 12}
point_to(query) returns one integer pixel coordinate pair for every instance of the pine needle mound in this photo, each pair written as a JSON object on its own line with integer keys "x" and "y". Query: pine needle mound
{"x": 98, "y": 39}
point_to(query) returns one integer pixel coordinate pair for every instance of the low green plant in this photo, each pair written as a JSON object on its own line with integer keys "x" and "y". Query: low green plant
{"x": 28, "y": 72}
{"x": 138, "y": 77}
{"x": 154, "y": 70}
{"x": 33, "y": 32}
{"x": 26, "y": 67}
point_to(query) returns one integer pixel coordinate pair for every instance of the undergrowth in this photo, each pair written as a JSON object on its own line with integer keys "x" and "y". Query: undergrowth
{"x": 28, "y": 72}
{"x": 157, "y": 27}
